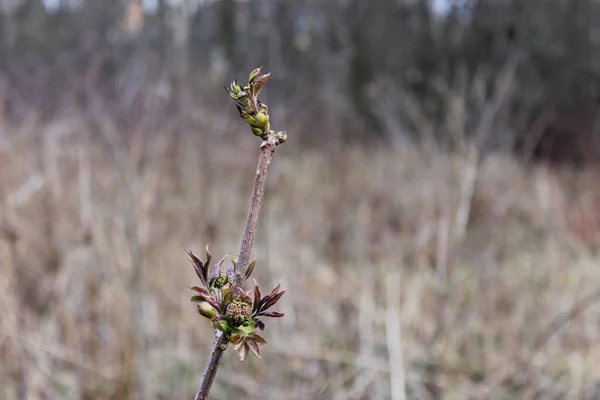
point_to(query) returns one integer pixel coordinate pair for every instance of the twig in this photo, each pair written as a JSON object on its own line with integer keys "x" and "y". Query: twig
{"x": 210, "y": 371}
{"x": 267, "y": 149}
{"x": 264, "y": 161}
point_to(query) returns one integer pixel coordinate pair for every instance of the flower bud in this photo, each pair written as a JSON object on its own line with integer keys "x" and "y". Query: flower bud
{"x": 281, "y": 136}
{"x": 223, "y": 279}
{"x": 262, "y": 120}
{"x": 253, "y": 75}
{"x": 206, "y": 310}
{"x": 257, "y": 131}
{"x": 238, "y": 312}
{"x": 249, "y": 119}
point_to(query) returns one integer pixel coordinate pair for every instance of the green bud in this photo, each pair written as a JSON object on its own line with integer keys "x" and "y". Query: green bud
{"x": 262, "y": 120}
{"x": 281, "y": 136}
{"x": 248, "y": 118}
{"x": 222, "y": 280}
{"x": 253, "y": 75}
{"x": 206, "y": 310}
{"x": 257, "y": 131}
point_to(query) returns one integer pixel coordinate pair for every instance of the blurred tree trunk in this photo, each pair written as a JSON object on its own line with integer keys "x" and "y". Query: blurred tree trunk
{"x": 362, "y": 68}
{"x": 8, "y": 29}
{"x": 163, "y": 27}
{"x": 30, "y": 19}
{"x": 227, "y": 16}
{"x": 181, "y": 33}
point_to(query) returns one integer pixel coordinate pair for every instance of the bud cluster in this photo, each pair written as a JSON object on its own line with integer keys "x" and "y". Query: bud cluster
{"x": 232, "y": 310}
{"x": 253, "y": 111}
{"x": 238, "y": 313}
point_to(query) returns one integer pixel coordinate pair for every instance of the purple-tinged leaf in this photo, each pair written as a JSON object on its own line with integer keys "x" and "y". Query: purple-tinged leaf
{"x": 199, "y": 289}
{"x": 257, "y": 296}
{"x": 272, "y": 314}
{"x": 273, "y": 299}
{"x": 198, "y": 266}
{"x": 199, "y": 299}
{"x": 260, "y": 82}
{"x": 216, "y": 305}
{"x": 259, "y": 324}
{"x": 216, "y": 272}
{"x": 264, "y": 300}
{"x": 208, "y": 258}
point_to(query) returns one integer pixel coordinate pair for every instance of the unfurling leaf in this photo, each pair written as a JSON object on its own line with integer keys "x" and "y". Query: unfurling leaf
{"x": 199, "y": 299}
{"x": 200, "y": 290}
{"x": 216, "y": 272}
{"x": 198, "y": 267}
{"x": 272, "y": 314}
{"x": 249, "y": 119}
{"x": 273, "y": 299}
{"x": 216, "y": 305}
{"x": 208, "y": 258}
{"x": 260, "y": 82}
{"x": 227, "y": 294}
{"x": 253, "y": 75}
{"x": 251, "y": 268}
{"x": 269, "y": 300}
{"x": 257, "y": 295}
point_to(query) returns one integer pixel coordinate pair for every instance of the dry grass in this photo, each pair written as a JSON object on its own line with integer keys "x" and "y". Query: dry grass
{"x": 476, "y": 313}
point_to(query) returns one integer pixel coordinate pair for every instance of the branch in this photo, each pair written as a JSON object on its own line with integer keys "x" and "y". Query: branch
{"x": 255, "y": 114}
{"x": 267, "y": 149}
{"x": 210, "y": 371}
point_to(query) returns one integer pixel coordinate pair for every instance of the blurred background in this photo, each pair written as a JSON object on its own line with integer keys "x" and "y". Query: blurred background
{"x": 434, "y": 215}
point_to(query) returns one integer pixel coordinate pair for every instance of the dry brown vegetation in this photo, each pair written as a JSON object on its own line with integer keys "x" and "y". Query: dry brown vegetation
{"x": 94, "y": 277}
